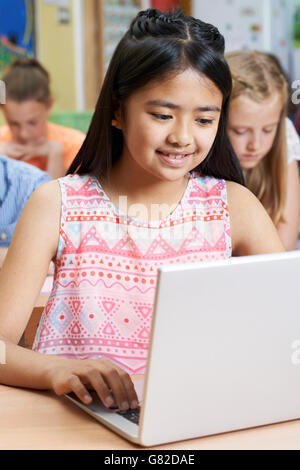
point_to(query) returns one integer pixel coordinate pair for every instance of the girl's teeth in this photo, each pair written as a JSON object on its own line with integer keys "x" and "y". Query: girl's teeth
{"x": 176, "y": 157}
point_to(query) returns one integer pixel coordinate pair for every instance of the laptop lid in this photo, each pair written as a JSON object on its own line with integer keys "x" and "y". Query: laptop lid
{"x": 223, "y": 348}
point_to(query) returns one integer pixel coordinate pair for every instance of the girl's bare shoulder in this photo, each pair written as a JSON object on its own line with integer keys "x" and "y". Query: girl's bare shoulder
{"x": 48, "y": 188}
{"x": 241, "y": 201}
{"x": 46, "y": 200}
{"x": 46, "y": 196}
{"x": 41, "y": 214}
{"x": 252, "y": 230}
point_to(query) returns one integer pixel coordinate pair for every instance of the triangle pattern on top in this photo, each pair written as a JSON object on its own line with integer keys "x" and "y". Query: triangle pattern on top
{"x": 108, "y": 329}
{"x": 85, "y": 189}
{"x": 127, "y": 246}
{"x": 92, "y": 240}
{"x": 145, "y": 311}
{"x": 160, "y": 247}
{"x": 108, "y": 306}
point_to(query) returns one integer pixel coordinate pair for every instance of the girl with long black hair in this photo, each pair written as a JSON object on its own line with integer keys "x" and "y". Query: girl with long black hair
{"x": 155, "y": 182}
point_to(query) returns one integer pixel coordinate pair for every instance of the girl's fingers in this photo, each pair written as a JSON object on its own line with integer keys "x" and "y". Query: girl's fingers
{"x": 114, "y": 387}
{"x": 18, "y": 154}
{"x": 113, "y": 379}
{"x": 80, "y": 390}
{"x": 129, "y": 387}
{"x": 98, "y": 383}
{"x": 27, "y": 157}
{"x": 17, "y": 149}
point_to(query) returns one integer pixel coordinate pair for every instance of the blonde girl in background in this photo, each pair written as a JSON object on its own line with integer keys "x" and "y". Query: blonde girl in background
{"x": 264, "y": 139}
{"x": 28, "y": 136}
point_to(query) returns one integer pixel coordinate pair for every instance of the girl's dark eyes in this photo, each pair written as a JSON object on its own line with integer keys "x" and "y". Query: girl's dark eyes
{"x": 205, "y": 121}
{"x": 165, "y": 117}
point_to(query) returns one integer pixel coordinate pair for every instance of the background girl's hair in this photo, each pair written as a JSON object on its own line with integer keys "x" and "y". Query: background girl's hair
{"x": 156, "y": 44}
{"x": 27, "y": 79}
{"x": 258, "y": 76}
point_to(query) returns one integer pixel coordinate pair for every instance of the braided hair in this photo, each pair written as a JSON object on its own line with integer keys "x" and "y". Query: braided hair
{"x": 156, "y": 44}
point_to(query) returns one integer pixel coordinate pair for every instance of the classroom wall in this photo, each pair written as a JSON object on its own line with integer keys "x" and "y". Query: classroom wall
{"x": 55, "y": 49}
{"x": 263, "y": 25}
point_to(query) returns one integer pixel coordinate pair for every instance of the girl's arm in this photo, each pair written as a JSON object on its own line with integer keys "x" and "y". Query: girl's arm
{"x": 33, "y": 246}
{"x": 10, "y": 149}
{"x": 252, "y": 231}
{"x": 52, "y": 150}
{"x": 55, "y": 163}
{"x": 288, "y": 231}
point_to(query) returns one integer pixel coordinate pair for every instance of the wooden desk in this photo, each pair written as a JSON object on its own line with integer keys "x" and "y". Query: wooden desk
{"x": 34, "y": 320}
{"x": 41, "y": 420}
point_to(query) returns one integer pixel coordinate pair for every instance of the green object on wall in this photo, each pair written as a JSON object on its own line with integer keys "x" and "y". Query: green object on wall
{"x": 76, "y": 120}
{"x": 297, "y": 27}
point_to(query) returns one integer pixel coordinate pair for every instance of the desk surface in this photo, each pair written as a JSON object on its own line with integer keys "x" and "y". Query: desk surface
{"x": 40, "y": 420}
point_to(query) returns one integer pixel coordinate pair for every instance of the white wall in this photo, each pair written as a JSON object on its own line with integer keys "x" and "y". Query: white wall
{"x": 264, "y": 25}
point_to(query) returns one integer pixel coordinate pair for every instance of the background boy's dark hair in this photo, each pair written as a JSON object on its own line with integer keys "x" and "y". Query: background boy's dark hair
{"x": 27, "y": 79}
{"x": 156, "y": 44}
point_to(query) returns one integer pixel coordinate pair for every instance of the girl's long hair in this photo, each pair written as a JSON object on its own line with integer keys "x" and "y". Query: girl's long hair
{"x": 257, "y": 75}
{"x": 156, "y": 44}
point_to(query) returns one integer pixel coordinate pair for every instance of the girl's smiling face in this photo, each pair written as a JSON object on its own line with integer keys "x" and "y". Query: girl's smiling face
{"x": 169, "y": 126}
{"x": 252, "y": 127}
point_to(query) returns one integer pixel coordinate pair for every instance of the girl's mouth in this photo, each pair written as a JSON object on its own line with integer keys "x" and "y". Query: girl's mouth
{"x": 174, "y": 159}
{"x": 251, "y": 156}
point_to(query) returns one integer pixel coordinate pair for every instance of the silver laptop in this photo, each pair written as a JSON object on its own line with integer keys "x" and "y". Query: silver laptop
{"x": 224, "y": 351}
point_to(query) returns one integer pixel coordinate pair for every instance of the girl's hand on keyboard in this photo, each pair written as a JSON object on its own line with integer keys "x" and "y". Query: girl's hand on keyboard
{"x": 112, "y": 384}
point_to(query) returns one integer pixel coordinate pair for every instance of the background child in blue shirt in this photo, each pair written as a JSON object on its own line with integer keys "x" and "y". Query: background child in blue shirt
{"x": 18, "y": 180}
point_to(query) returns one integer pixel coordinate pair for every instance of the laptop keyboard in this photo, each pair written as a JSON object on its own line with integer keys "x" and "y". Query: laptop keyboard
{"x": 131, "y": 415}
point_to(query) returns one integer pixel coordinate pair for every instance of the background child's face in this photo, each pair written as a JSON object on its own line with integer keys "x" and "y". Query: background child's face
{"x": 252, "y": 128}
{"x": 170, "y": 126}
{"x": 27, "y": 120}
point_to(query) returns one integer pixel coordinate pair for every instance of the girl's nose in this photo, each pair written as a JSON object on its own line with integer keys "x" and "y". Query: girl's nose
{"x": 254, "y": 141}
{"x": 180, "y": 136}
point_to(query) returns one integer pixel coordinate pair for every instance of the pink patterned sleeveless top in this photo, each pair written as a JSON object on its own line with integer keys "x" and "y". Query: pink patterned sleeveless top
{"x": 106, "y": 267}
